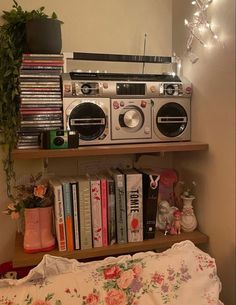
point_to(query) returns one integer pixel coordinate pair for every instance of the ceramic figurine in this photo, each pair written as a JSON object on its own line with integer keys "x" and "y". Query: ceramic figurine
{"x": 189, "y": 221}
{"x": 176, "y": 223}
{"x": 164, "y": 215}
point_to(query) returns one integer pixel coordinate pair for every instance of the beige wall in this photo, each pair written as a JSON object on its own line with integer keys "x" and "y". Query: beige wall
{"x": 213, "y": 121}
{"x": 107, "y": 26}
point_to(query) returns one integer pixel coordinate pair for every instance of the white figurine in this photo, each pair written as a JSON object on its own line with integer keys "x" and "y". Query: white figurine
{"x": 164, "y": 214}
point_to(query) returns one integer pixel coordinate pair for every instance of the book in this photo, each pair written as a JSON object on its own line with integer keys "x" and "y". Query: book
{"x": 150, "y": 202}
{"x": 59, "y": 214}
{"x": 75, "y": 212}
{"x": 111, "y": 211}
{"x": 96, "y": 208}
{"x": 103, "y": 181}
{"x": 67, "y": 199}
{"x": 134, "y": 199}
{"x": 120, "y": 201}
{"x": 85, "y": 213}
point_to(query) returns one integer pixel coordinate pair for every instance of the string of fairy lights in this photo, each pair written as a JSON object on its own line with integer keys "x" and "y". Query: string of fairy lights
{"x": 199, "y": 28}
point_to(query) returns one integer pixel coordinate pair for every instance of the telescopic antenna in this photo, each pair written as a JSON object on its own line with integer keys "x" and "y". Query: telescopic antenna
{"x": 144, "y": 51}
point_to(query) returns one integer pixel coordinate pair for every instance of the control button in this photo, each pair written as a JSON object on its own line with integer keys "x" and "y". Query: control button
{"x": 116, "y": 105}
{"x": 143, "y": 104}
{"x": 105, "y": 85}
{"x": 122, "y": 103}
{"x": 153, "y": 89}
{"x": 146, "y": 130}
{"x": 188, "y": 90}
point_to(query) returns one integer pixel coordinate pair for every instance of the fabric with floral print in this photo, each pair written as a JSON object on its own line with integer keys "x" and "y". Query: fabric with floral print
{"x": 182, "y": 275}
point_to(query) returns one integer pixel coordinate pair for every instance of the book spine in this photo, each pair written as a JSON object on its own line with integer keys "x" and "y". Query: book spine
{"x": 104, "y": 211}
{"x": 59, "y": 217}
{"x": 95, "y": 190}
{"x": 68, "y": 216}
{"x": 74, "y": 193}
{"x": 121, "y": 214}
{"x": 85, "y": 215}
{"x": 111, "y": 212}
{"x": 134, "y": 207}
{"x": 150, "y": 197}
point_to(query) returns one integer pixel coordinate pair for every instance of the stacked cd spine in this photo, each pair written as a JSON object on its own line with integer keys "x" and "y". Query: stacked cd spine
{"x": 41, "y": 97}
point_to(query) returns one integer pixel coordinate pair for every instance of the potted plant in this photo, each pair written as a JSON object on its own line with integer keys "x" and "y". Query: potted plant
{"x": 33, "y": 204}
{"x": 13, "y": 37}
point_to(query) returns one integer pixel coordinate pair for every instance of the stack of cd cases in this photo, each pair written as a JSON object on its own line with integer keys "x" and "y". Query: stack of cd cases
{"x": 41, "y": 97}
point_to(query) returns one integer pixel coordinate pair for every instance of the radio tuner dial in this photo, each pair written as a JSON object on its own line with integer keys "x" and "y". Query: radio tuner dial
{"x": 131, "y": 118}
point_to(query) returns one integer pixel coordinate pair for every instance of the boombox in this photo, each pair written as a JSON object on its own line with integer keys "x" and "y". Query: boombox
{"x": 140, "y": 109}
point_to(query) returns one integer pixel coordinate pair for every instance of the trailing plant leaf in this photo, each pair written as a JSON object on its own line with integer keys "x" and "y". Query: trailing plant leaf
{"x": 13, "y": 45}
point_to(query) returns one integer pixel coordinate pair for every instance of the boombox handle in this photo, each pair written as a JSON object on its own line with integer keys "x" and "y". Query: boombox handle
{"x": 122, "y": 58}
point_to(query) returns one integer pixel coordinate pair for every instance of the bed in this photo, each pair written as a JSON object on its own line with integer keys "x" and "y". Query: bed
{"x": 181, "y": 275}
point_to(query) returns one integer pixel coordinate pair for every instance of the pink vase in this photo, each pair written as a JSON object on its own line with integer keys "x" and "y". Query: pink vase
{"x": 38, "y": 230}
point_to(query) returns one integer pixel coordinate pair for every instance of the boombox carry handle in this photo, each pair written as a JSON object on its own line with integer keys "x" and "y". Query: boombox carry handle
{"x": 120, "y": 58}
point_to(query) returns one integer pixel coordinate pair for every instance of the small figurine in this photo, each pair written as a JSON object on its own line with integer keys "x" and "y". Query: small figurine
{"x": 176, "y": 223}
{"x": 165, "y": 214}
{"x": 167, "y": 228}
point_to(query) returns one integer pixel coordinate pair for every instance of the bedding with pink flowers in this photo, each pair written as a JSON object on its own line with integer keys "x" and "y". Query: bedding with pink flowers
{"x": 181, "y": 275}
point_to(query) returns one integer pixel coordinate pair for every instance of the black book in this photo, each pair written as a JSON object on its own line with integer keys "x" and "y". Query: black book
{"x": 150, "y": 196}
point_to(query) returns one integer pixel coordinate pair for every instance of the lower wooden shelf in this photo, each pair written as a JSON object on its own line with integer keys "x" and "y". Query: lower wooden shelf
{"x": 160, "y": 242}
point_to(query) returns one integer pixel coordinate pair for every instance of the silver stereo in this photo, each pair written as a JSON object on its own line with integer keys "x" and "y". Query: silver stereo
{"x": 106, "y": 111}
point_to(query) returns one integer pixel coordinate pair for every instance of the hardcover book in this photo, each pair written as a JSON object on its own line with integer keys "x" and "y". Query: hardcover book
{"x": 150, "y": 202}
{"x": 103, "y": 181}
{"x": 67, "y": 199}
{"x": 85, "y": 213}
{"x": 75, "y": 209}
{"x": 120, "y": 202}
{"x": 59, "y": 214}
{"x": 111, "y": 211}
{"x": 96, "y": 207}
{"x": 134, "y": 199}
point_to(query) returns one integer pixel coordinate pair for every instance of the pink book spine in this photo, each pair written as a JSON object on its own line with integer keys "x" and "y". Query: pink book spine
{"x": 104, "y": 211}
{"x": 96, "y": 213}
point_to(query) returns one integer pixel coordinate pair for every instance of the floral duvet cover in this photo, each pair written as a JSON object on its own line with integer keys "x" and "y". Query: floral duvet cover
{"x": 182, "y": 275}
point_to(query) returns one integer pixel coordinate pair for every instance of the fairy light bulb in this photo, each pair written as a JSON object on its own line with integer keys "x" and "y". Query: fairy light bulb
{"x": 199, "y": 27}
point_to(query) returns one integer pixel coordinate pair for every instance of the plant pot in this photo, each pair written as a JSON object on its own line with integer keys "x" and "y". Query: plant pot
{"x": 188, "y": 219}
{"x": 43, "y": 35}
{"x": 38, "y": 230}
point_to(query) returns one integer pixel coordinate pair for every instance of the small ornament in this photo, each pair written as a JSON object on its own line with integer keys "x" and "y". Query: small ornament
{"x": 176, "y": 223}
{"x": 189, "y": 221}
{"x": 164, "y": 215}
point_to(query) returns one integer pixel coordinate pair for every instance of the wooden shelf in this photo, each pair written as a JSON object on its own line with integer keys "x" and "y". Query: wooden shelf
{"x": 160, "y": 242}
{"x": 108, "y": 150}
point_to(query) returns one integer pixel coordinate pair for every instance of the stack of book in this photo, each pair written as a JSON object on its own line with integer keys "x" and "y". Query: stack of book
{"x": 103, "y": 209}
{"x": 41, "y": 97}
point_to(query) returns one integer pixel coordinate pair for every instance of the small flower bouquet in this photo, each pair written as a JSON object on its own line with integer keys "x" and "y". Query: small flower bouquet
{"x": 189, "y": 191}
{"x": 36, "y": 193}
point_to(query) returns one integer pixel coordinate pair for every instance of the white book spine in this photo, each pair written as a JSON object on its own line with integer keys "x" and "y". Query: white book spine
{"x": 121, "y": 214}
{"x": 75, "y": 215}
{"x": 95, "y": 190}
{"x": 85, "y": 215}
{"x": 59, "y": 217}
{"x": 134, "y": 197}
